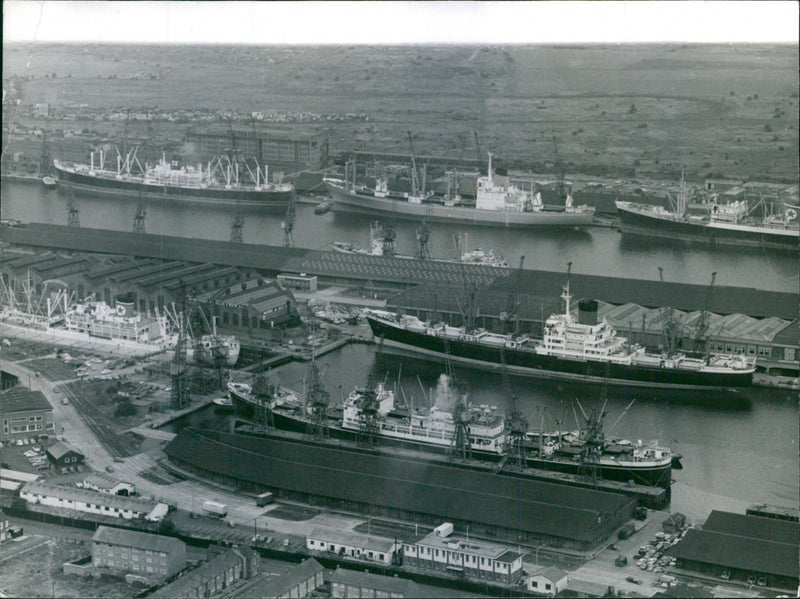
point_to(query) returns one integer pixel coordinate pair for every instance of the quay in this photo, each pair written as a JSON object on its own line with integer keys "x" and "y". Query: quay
{"x": 387, "y": 273}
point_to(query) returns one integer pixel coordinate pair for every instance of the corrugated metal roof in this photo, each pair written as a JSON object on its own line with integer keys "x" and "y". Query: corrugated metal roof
{"x": 789, "y": 335}
{"x": 725, "y": 300}
{"x": 378, "y": 582}
{"x": 734, "y": 551}
{"x": 133, "y": 538}
{"x": 756, "y": 527}
{"x": 134, "y": 504}
{"x": 346, "y": 537}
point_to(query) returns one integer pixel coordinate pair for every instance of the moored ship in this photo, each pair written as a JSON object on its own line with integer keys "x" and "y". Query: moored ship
{"x": 371, "y": 410}
{"x": 498, "y": 203}
{"x": 378, "y": 247}
{"x": 219, "y": 182}
{"x": 582, "y": 350}
{"x": 730, "y": 224}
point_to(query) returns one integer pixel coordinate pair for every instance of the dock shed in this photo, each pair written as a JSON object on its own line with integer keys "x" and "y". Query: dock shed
{"x": 742, "y": 547}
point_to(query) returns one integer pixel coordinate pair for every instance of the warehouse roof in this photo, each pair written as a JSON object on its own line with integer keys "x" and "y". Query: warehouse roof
{"x": 366, "y": 580}
{"x": 756, "y": 527}
{"x": 730, "y": 550}
{"x": 353, "y": 539}
{"x": 258, "y": 293}
{"x": 471, "y": 546}
{"x": 788, "y": 335}
{"x": 132, "y": 504}
{"x": 124, "y": 537}
{"x": 725, "y": 299}
{"x": 22, "y": 399}
{"x": 405, "y": 483}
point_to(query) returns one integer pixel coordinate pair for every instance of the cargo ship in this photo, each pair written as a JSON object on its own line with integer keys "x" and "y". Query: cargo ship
{"x": 728, "y": 224}
{"x": 582, "y": 350}
{"x": 218, "y": 183}
{"x": 434, "y": 429}
{"x": 498, "y": 203}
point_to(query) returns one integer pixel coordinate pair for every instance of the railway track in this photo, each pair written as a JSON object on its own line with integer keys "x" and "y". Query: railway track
{"x": 119, "y": 446}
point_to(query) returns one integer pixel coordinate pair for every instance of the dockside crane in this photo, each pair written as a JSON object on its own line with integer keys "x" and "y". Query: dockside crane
{"x": 288, "y": 223}
{"x": 671, "y": 326}
{"x": 701, "y": 328}
{"x": 511, "y": 316}
{"x": 139, "y": 217}
{"x": 561, "y": 188}
{"x": 317, "y": 400}
{"x": 73, "y": 213}
{"x": 414, "y": 174}
{"x": 478, "y": 154}
{"x": 516, "y": 425}
{"x": 179, "y": 393}
{"x": 423, "y": 239}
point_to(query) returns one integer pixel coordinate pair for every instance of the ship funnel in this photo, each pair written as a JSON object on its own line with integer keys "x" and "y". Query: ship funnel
{"x": 587, "y": 312}
{"x": 125, "y": 305}
{"x": 501, "y": 177}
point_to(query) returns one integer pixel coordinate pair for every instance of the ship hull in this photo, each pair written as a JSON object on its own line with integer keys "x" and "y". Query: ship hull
{"x": 529, "y": 363}
{"x": 650, "y": 224}
{"x": 653, "y": 475}
{"x": 399, "y": 208}
{"x": 267, "y": 199}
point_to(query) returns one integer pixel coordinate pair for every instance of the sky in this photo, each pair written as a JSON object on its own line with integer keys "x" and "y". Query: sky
{"x": 414, "y": 22}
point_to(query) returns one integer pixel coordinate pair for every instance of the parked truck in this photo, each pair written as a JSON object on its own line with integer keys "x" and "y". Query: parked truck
{"x": 220, "y": 510}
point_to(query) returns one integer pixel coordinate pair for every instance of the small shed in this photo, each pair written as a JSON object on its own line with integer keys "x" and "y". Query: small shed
{"x": 547, "y": 581}
{"x": 63, "y": 455}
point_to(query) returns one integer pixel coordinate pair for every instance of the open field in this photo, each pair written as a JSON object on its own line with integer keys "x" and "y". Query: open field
{"x": 657, "y": 109}
{"x": 37, "y": 572}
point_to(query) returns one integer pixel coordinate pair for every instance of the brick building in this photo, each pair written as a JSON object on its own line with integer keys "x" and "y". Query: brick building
{"x": 120, "y": 550}
{"x": 24, "y": 414}
{"x": 214, "y": 576}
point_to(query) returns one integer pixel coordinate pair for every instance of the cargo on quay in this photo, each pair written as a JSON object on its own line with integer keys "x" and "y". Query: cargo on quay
{"x": 729, "y": 224}
{"x": 498, "y": 203}
{"x": 434, "y": 429}
{"x": 218, "y": 183}
{"x": 582, "y": 350}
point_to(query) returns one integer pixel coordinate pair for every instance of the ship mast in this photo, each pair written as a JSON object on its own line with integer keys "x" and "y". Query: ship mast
{"x": 565, "y": 295}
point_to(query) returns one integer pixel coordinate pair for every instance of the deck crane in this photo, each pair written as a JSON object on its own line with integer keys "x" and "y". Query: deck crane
{"x": 701, "y": 328}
